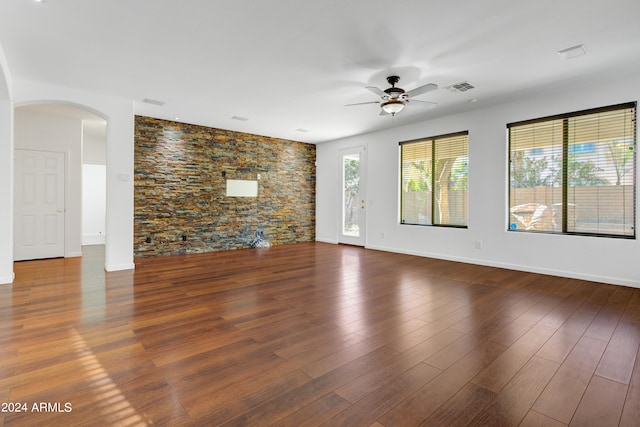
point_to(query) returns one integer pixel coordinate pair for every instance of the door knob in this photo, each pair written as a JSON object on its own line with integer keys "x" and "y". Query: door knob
{"x": 60, "y": 210}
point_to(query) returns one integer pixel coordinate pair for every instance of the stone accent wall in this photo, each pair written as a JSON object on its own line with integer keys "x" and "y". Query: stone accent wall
{"x": 180, "y": 189}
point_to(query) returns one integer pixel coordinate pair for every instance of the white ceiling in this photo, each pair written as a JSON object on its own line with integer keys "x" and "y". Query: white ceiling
{"x": 290, "y": 64}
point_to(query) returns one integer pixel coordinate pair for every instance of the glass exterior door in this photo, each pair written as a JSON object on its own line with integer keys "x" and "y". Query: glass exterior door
{"x": 352, "y": 218}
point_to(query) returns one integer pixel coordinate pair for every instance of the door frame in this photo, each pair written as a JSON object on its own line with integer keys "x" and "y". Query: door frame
{"x": 362, "y": 239}
{"x": 67, "y": 157}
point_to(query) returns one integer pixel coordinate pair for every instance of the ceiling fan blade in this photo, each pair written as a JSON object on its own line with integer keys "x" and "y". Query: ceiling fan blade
{"x": 377, "y": 91}
{"x": 421, "y": 89}
{"x": 425, "y": 104}
{"x": 363, "y": 103}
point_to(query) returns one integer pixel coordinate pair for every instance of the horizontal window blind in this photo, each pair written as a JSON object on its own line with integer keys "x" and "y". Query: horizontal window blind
{"x": 575, "y": 173}
{"x": 434, "y": 180}
{"x": 536, "y": 150}
{"x": 417, "y": 182}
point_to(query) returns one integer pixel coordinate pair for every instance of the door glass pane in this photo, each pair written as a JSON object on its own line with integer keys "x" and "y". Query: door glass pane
{"x": 350, "y": 194}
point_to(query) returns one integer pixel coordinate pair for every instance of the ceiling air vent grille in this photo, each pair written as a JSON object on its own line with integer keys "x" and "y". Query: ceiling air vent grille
{"x": 461, "y": 87}
{"x": 153, "y": 102}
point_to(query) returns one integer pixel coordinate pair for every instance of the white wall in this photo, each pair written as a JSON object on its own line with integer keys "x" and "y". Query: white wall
{"x": 94, "y": 183}
{"x": 120, "y": 135}
{"x": 94, "y": 146}
{"x": 35, "y": 131}
{"x": 608, "y": 260}
{"x": 94, "y": 204}
{"x": 6, "y": 173}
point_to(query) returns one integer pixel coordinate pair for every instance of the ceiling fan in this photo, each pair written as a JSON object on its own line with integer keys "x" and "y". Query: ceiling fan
{"x": 394, "y": 99}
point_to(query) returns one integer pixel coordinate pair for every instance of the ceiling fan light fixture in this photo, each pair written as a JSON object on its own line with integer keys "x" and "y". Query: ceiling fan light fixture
{"x": 393, "y": 107}
{"x": 393, "y": 99}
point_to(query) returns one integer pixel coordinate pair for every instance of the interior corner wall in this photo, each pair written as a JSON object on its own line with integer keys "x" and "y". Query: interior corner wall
{"x": 609, "y": 260}
{"x": 6, "y": 173}
{"x": 6, "y": 190}
{"x": 180, "y": 189}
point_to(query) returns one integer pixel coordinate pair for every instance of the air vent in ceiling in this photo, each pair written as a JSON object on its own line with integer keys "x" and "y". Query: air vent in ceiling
{"x": 572, "y": 52}
{"x": 302, "y": 130}
{"x": 153, "y": 102}
{"x": 242, "y": 119}
{"x": 461, "y": 87}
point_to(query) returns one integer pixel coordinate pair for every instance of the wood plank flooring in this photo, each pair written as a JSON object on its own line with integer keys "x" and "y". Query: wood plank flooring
{"x": 313, "y": 334}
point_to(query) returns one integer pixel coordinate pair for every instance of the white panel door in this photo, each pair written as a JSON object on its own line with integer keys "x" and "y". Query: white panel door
{"x": 352, "y": 194}
{"x": 39, "y": 204}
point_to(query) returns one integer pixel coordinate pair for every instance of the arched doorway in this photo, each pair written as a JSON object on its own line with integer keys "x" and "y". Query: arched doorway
{"x": 53, "y": 142}
{"x": 119, "y": 114}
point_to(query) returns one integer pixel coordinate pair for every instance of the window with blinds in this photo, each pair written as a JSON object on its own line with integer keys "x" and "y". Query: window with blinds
{"x": 434, "y": 180}
{"x": 574, "y": 173}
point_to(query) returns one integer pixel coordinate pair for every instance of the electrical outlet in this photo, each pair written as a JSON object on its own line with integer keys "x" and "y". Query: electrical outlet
{"x": 478, "y": 244}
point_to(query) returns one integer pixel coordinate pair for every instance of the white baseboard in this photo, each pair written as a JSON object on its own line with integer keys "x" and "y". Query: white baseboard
{"x": 334, "y": 242}
{"x": 518, "y": 267}
{"x": 7, "y": 280}
{"x": 73, "y": 254}
{"x": 119, "y": 267}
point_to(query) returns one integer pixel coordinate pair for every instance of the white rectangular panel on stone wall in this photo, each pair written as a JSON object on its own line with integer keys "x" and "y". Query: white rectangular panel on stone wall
{"x": 242, "y": 188}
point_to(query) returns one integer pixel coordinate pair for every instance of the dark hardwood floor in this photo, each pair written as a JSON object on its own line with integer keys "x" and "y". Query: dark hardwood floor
{"x": 314, "y": 334}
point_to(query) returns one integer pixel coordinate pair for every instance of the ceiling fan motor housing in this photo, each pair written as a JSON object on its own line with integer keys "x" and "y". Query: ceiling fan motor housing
{"x": 393, "y": 80}
{"x": 394, "y": 92}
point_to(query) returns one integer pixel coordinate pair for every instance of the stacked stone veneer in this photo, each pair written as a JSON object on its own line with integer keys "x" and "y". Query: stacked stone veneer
{"x": 180, "y": 189}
